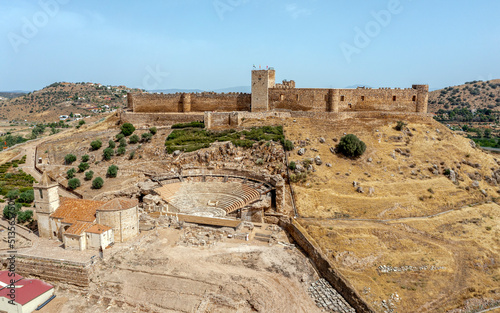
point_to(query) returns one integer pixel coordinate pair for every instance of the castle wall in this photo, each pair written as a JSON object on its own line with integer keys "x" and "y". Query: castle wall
{"x": 159, "y": 119}
{"x": 194, "y": 102}
{"x": 345, "y": 100}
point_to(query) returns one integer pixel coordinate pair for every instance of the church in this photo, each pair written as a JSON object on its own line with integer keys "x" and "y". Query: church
{"x": 83, "y": 224}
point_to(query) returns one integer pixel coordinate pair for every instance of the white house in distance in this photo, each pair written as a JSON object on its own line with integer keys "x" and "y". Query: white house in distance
{"x": 83, "y": 224}
{"x": 29, "y": 293}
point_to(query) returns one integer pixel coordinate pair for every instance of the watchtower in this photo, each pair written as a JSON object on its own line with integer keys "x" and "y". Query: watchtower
{"x": 422, "y": 97}
{"x": 262, "y": 80}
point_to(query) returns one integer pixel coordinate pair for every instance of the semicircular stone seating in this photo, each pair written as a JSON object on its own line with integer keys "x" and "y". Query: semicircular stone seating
{"x": 195, "y": 197}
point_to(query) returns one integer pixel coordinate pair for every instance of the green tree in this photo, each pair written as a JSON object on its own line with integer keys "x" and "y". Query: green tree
{"x": 351, "y": 146}
{"x": 146, "y": 137}
{"x": 108, "y": 153}
{"x": 292, "y": 165}
{"x": 89, "y": 175}
{"x": 133, "y": 139}
{"x": 288, "y": 145}
{"x": 487, "y": 133}
{"x": 81, "y": 122}
{"x": 27, "y": 196}
{"x": 13, "y": 194}
{"x": 96, "y": 144}
{"x": 9, "y": 213}
{"x": 111, "y": 144}
{"x": 69, "y": 158}
{"x": 121, "y": 151}
{"x": 74, "y": 183}
{"x": 24, "y": 216}
{"x": 120, "y": 136}
{"x": 70, "y": 173}
{"x": 127, "y": 129}
{"x": 153, "y": 130}
{"x": 82, "y": 167}
{"x": 112, "y": 171}
{"x": 97, "y": 183}
{"x": 85, "y": 158}
{"x": 123, "y": 142}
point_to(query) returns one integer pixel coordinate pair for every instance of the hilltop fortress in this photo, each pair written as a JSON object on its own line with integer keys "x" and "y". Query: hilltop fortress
{"x": 271, "y": 99}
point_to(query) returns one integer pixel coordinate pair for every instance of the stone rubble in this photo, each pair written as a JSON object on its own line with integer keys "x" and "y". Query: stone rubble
{"x": 327, "y": 298}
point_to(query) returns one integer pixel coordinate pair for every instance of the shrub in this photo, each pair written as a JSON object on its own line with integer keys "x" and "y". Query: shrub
{"x": 191, "y": 124}
{"x": 108, "y": 153}
{"x": 288, "y": 145}
{"x": 69, "y": 158}
{"x": 111, "y": 144}
{"x": 82, "y": 167}
{"x": 97, "y": 183}
{"x": 89, "y": 175}
{"x": 70, "y": 173}
{"x": 112, "y": 171}
{"x": 96, "y": 144}
{"x": 292, "y": 165}
{"x": 351, "y": 146}
{"x": 447, "y": 172}
{"x": 74, "y": 183}
{"x": 146, "y": 137}
{"x": 85, "y": 158}
{"x": 24, "y": 216}
{"x": 120, "y": 136}
{"x": 13, "y": 194}
{"x": 131, "y": 155}
{"x": 123, "y": 142}
{"x": 121, "y": 151}
{"x": 127, "y": 129}
{"x": 8, "y": 213}
{"x": 81, "y": 122}
{"x": 27, "y": 196}
{"x": 133, "y": 139}
{"x": 400, "y": 125}
{"x": 153, "y": 130}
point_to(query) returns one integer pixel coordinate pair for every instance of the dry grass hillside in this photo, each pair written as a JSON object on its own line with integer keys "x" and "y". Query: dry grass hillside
{"x": 474, "y": 95}
{"x": 382, "y": 231}
{"x": 47, "y": 104}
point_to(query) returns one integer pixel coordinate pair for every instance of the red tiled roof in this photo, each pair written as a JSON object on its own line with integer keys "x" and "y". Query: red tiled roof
{"x": 98, "y": 229}
{"x": 78, "y": 228}
{"x": 72, "y": 210}
{"x": 5, "y": 278}
{"x": 118, "y": 204}
{"x": 26, "y": 289}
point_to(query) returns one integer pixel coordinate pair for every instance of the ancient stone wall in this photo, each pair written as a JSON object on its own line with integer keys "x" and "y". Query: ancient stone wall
{"x": 188, "y": 102}
{"x": 159, "y": 119}
{"x": 52, "y": 270}
{"x": 325, "y": 268}
{"x": 125, "y": 223}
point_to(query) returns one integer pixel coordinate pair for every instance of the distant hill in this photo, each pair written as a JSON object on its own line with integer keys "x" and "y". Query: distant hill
{"x": 246, "y": 89}
{"x": 47, "y": 104}
{"x": 472, "y": 95}
{"x": 12, "y": 94}
{"x": 356, "y": 86}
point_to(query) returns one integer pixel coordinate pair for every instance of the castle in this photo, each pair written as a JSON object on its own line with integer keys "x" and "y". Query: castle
{"x": 83, "y": 224}
{"x": 267, "y": 96}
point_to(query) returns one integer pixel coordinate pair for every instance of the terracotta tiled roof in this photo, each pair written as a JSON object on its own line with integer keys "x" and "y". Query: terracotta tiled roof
{"x": 118, "y": 204}
{"x": 26, "y": 289}
{"x": 78, "y": 228}
{"x": 72, "y": 210}
{"x": 98, "y": 229}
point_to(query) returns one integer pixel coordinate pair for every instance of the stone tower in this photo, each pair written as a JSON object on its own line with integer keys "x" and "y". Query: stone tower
{"x": 422, "y": 97}
{"x": 262, "y": 80}
{"x": 46, "y": 202}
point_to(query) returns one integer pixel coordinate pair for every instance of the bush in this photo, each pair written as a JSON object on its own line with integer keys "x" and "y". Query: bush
{"x": 13, "y": 194}
{"x": 153, "y": 130}
{"x": 146, "y": 137}
{"x": 85, "y": 158}
{"x": 24, "y": 216}
{"x": 131, "y": 155}
{"x": 120, "y": 136}
{"x": 121, "y": 151}
{"x": 70, "y": 173}
{"x": 292, "y": 165}
{"x": 351, "y": 146}
{"x": 97, "y": 183}
{"x": 74, "y": 183}
{"x": 288, "y": 145}
{"x": 133, "y": 139}
{"x": 123, "y": 142}
{"x": 82, "y": 167}
{"x": 27, "y": 196}
{"x": 9, "y": 214}
{"x": 108, "y": 153}
{"x": 96, "y": 145}
{"x": 81, "y": 122}
{"x": 400, "y": 125}
{"x": 69, "y": 158}
{"x": 89, "y": 175}
{"x": 111, "y": 144}
{"x": 127, "y": 129}
{"x": 191, "y": 124}
{"x": 112, "y": 171}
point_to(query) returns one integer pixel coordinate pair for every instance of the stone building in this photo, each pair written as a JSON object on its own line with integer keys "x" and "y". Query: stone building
{"x": 83, "y": 224}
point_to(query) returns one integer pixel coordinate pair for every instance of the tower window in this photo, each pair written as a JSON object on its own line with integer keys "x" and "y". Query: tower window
{"x": 41, "y": 193}
{"x": 414, "y": 98}
{"x": 282, "y": 97}
{"x": 297, "y": 97}
{"x": 342, "y": 98}
{"x": 393, "y": 98}
{"x": 362, "y": 98}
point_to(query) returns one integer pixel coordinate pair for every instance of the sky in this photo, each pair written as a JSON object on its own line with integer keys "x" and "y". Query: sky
{"x": 213, "y": 44}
